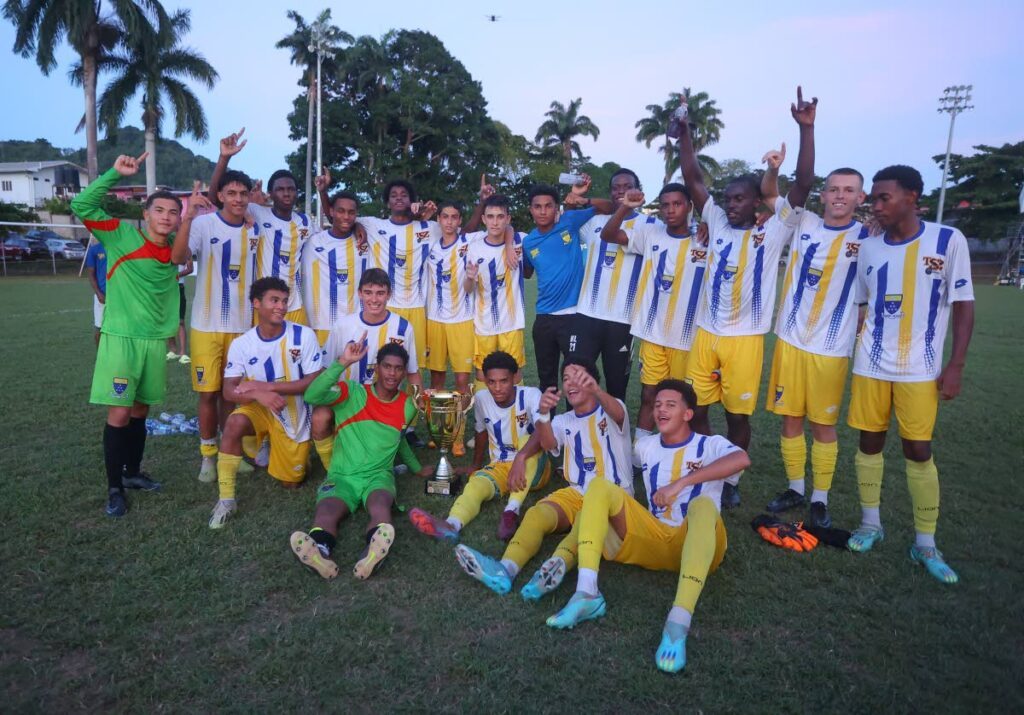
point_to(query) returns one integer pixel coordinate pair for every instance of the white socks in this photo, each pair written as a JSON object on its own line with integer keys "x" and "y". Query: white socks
{"x": 454, "y": 523}
{"x": 797, "y": 485}
{"x": 925, "y": 541}
{"x": 869, "y": 516}
{"x": 586, "y": 581}
{"x": 820, "y": 495}
{"x": 511, "y": 567}
{"x": 513, "y": 505}
{"x": 680, "y": 615}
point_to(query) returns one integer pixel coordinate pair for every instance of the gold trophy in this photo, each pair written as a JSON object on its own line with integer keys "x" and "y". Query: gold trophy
{"x": 444, "y": 414}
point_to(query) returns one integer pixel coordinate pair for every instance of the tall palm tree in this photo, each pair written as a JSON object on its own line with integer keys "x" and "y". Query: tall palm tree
{"x": 704, "y": 123}
{"x": 152, "y": 61}
{"x": 562, "y": 126}
{"x": 91, "y": 28}
{"x": 299, "y": 43}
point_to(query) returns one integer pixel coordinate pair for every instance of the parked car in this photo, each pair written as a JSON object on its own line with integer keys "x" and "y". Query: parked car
{"x": 30, "y": 249}
{"x": 65, "y": 248}
{"x": 43, "y": 234}
{"x": 12, "y": 249}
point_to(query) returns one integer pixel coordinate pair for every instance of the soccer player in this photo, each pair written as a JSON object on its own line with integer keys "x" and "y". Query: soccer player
{"x": 816, "y": 327}
{"x": 376, "y": 326}
{"x": 910, "y": 279}
{"x": 269, "y": 368}
{"x": 682, "y": 531}
{"x": 332, "y": 265}
{"x": 553, "y": 250}
{"x": 668, "y": 291}
{"x": 225, "y": 247}
{"x": 505, "y": 417}
{"x": 500, "y": 316}
{"x": 283, "y": 230}
{"x": 177, "y": 344}
{"x": 594, "y": 439}
{"x": 96, "y": 263}
{"x": 725, "y": 360}
{"x": 449, "y": 305}
{"x": 139, "y": 315}
{"x": 610, "y": 288}
{"x": 372, "y": 419}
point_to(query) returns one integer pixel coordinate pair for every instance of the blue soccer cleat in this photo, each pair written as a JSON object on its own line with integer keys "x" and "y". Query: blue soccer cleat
{"x": 581, "y": 607}
{"x": 931, "y": 559}
{"x": 490, "y": 572}
{"x": 671, "y": 654}
{"x": 545, "y": 580}
{"x": 864, "y": 538}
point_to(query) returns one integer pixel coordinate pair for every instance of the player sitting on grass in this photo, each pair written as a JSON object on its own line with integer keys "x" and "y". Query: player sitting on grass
{"x": 371, "y": 419}
{"x": 268, "y": 369}
{"x": 681, "y": 531}
{"x": 505, "y": 414}
{"x": 594, "y": 439}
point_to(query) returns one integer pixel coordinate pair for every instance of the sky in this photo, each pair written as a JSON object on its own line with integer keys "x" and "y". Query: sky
{"x": 876, "y": 68}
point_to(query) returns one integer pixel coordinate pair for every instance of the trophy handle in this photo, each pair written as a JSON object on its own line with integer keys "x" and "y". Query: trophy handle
{"x": 418, "y": 397}
{"x": 472, "y": 401}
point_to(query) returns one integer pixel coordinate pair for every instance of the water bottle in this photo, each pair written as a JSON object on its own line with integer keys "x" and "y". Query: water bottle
{"x": 166, "y": 416}
{"x": 570, "y": 179}
{"x": 179, "y": 417}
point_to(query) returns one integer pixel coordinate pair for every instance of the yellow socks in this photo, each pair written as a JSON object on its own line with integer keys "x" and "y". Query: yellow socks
{"x": 539, "y": 521}
{"x": 478, "y": 490}
{"x": 794, "y": 458}
{"x": 325, "y": 448}
{"x": 923, "y": 483}
{"x": 603, "y": 501}
{"x": 227, "y": 468}
{"x": 869, "y": 469}
{"x": 698, "y": 552}
{"x": 823, "y": 465}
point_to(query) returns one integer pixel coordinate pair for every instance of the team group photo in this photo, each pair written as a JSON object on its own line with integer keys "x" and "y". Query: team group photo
{"x": 361, "y": 400}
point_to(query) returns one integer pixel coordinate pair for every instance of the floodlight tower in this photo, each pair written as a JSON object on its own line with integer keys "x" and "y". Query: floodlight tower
{"x": 953, "y": 101}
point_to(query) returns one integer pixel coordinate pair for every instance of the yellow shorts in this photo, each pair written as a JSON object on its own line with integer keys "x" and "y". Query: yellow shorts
{"x": 417, "y": 318}
{"x": 287, "y": 457}
{"x": 452, "y": 341}
{"x": 510, "y": 342}
{"x": 209, "y": 355}
{"x": 538, "y": 472}
{"x": 568, "y": 499}
{"x": 916, "y": 405}
{"x": 659, "y": 363}
{"x": 652, "y": 544}
{"x": 804, "y": 383}
{"x": 726, "y": 369}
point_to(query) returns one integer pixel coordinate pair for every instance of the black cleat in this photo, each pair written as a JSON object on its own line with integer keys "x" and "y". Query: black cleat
{"x": 141, "y": 481}
{"x": 784, "y": 501}
{"x": 819, "y": 516}
{"x": 414, "y": 441}
{"x": 117, "y": 505}
{"x": 730, "y": 496}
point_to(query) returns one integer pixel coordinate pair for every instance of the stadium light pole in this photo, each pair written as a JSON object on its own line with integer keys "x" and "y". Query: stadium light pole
{"x": 953, "y": 101}
{"x": 318, "y": 47}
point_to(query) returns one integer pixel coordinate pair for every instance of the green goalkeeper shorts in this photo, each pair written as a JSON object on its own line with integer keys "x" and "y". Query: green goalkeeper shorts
{"x": 354, "y": 489}
{"x": 129, "y": 370}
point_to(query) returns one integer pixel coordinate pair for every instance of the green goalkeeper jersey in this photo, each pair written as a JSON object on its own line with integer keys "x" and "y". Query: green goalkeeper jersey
{"x": 142, "y": 283}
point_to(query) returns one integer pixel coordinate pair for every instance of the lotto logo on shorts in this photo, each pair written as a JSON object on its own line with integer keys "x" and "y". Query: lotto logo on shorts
{"x": 120, "y": 385}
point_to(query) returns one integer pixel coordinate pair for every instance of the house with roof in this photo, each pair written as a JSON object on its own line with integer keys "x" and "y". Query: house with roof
{"x": 32, "y": 182}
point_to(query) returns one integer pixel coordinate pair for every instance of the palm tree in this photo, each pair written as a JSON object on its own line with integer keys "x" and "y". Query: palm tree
{"x": 41, "y": 25}
{"x": 153, "y": 62}
{"x": 704, "y": 123}
{"x": 561, "y": 127}
{"x": 300, "y": 43}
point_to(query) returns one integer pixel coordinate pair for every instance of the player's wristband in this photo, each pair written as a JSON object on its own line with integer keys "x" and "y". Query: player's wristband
{"x": 542, "y": 417}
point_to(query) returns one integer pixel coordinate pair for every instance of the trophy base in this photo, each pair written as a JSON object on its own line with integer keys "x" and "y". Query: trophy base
{"x": 444, "y": 487}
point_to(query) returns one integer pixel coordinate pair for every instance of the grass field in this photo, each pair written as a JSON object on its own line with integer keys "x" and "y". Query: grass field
{"x": 156, "y": 612}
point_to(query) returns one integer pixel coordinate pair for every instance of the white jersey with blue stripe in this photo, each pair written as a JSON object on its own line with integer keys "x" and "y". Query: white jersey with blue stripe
{"x": 818, "y": 313}
{"x": 293, "y": 355}
{"x": 448, "y": 301}
{"x": 743, "y": 267}
{"x": 331, "y": 269}
{"x": 909, "y": 288}
{"x": 611, "y": 274}
{"x": 499, "y": 291}
{"x": 593, "y": 445}
{"x": 280, "y": 249}
{"x": 670, "y": 283}
{"x": 225, "y": 267}
{"x": 508, "y": 428}
{"x": 393, "y": 329}
{"x": 663, "y": 464}
{"x": 401, "y": 251}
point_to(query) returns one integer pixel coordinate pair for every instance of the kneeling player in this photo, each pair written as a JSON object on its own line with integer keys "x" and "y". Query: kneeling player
{"x": 683, "y": 530}
{"x": 505, "y": 414}
{"x": 372, "y": 419}
{"x": 268, "y": 369}
{"x": 594, "y": 439}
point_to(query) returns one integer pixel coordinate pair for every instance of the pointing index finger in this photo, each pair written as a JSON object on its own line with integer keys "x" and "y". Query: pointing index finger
{"x": 143, "y": 157}
{"x": 799, "y": 95}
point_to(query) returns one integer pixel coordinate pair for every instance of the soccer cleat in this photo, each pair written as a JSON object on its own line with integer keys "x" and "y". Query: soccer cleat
{"x": 262, "y": 458}
{"x": 427, "y": 523}
{"x": 730, "y": 496}
{"x": 864, "y": 538}
{"x": 507, "y": 525}
{"x": 376, "y": 550}
{"x": 818, "y": 516}
{"x": 931, "y": 559}
{"x": 580, "y": 608}
{"x": 141, "y": 481}
{"x": 208, "y": 470}
{"x": 671, "y": 654}
{"x": 221, "y": 512}
{"x": 117, "y": 505}
{"x": 171, "y": 355}
{"x": 185, "y": 360}
{"x": 545, "y": 580}
{"x": 784, "y": 501}
{"x": 306, "y": 551}
{"x": 488, "y": 571}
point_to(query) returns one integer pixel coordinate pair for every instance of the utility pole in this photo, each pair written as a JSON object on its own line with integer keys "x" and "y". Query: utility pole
{"x": 953, "y": 101}
{"x": 319, "y": 47}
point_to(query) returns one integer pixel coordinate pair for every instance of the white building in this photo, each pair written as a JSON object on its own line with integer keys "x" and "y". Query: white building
{"x": 33, "y": 182}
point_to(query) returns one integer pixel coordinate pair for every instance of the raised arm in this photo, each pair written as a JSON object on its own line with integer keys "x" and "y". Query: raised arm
{"x": 180, "y": 252}
{"x": 88, "y": 205}
{"x": 612, "y": 407}
{"x": 229, "y": 146}
{"x": 803, "y": 112}
{"x": 612, "y": 231}
{"x": 486, "y": 191}
{"x": 770, "y": 180}
{"x": 577, "y": 198}
{"x": 692, "y": 175}
{"x": 322, "y": 182}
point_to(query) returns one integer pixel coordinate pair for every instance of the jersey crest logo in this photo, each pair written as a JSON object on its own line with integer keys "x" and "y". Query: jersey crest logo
{"x": 400, "y": 260}
{"x": 609, "y": 259}
{"x": 699, "y": 256}
{"x": 253, "y": 242}
{"x": 294, "y": 352}
{"x": 519, "y": 252}
{"x": 730, "y": 272}
{"x": 462, "y": 251}
{"x": 694, "y": 465}
{"x": 422, "y": 235}
{"x": 303, "y": 232}
{"x": 852, "y": 248}
{"x": 120, "y": 385}
{"x": 446, "y": 276}
{"x": 522, "y": 420}
{"x": 665, "y": 283}
{"x": 778, "y": 393}
{"x": 893, "y": 301}
{"x": 285, "y": 257}
{"x": 233, "y": 272}
{"x": 603, "y": 425}
{"x": 342, "y": 275}
{"x": 933, "y": 264}
{"x": 534, "y": 253}
{"x": 758, "y": 239}
{"x": 813, "y": 277}
{"x": 201, "y": 375}
{"x": 499, "y": 281}
{"x": 101, "y": 256}
{"x": 566, "y": 238}
{"x": 589, "y": 464}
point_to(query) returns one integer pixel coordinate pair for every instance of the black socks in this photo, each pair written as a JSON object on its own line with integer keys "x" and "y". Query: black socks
{"x": 116, "y": 446}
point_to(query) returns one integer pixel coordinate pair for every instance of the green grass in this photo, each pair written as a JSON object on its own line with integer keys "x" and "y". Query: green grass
{"x": 157, "y": 612}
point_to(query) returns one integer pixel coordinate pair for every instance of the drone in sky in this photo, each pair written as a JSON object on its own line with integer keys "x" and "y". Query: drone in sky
{"x": 492, "y": 18}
